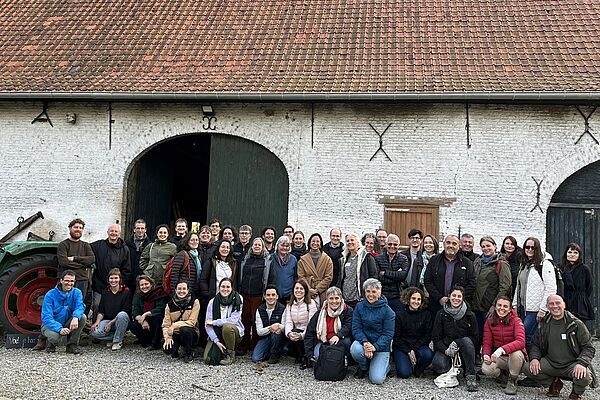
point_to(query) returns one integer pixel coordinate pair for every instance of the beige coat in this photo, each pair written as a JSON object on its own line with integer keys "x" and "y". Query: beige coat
{"x": 318, "y": 277}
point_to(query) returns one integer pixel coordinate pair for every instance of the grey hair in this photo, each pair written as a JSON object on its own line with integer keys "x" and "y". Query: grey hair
{"x": 371, "y": 283}
{"x": 246, "y": 228}
{"x": 392, "y": 236}
{"x": 333, "y": 290}
{"x": 283, "y": 240}
{"x": 352, "y": 234}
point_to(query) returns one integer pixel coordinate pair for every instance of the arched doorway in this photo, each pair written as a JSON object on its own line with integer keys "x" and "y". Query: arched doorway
{"x": 204, "y": 176}
{"x": 574, "y": 216}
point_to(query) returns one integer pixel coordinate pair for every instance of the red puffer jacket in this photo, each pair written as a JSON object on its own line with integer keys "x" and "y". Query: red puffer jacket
{"x": 510, "y": 336}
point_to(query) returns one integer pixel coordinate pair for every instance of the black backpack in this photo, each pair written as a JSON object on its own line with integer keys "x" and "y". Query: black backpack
{"x": 560, "y": 284}
{"x": 331, "y": 365}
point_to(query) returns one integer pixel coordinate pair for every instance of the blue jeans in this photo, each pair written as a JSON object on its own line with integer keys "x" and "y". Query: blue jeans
{"x": 378, "y": 366}
{"x": 529, "y": 319}
{"x": 267, "y": 346}
{"x": 424, "y": 356}
{"x": 117, "y": 330}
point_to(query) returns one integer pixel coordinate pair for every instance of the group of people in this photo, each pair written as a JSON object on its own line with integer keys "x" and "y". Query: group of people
{"x": 505, "y": 310}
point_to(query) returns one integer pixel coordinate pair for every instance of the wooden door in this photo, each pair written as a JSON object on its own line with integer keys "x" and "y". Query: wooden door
{"x": 399, "y": 218}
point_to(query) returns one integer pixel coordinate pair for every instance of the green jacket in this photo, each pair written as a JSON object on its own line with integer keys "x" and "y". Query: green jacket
{"x": 157, "y": 311}
{"x": 490, "y": 282}
{"x": 154, "y": 258}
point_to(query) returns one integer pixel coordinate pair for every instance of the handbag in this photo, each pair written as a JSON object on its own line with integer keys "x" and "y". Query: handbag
{"x": 450, "y": 378}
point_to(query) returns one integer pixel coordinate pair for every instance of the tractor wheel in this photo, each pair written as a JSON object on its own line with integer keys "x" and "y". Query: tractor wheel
{"x": 23, "y": 285}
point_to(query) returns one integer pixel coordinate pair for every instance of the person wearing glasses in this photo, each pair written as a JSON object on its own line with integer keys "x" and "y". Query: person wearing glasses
{"x": 536, "y": 281}
{"x": 415, "y": 259}
{"x": 242, "y": 246}
{"x": 393, "y": 267}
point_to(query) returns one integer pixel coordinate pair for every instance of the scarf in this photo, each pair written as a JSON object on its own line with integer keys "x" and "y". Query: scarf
{"x": 456, "y": 313}
{"x": 283, "y": 260}
{"x": 214, "y": 354}
{"x": 322, "y": 321}
{"x": 151, "y": 297}
{"x": 194, "y": 254}
{"x": 181, "y": 302}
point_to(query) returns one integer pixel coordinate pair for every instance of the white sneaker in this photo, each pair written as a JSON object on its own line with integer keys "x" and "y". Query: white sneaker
{"x": 117, "y": 346}
{"x": 109, "y": 344}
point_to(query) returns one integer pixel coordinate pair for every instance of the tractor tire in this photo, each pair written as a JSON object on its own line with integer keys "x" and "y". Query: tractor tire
{"x": 23, "y": 285}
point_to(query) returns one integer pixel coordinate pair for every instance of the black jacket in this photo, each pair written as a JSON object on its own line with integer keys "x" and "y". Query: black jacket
{"x": 310, "y": 335}
{"x": 251, "y": 275}
{"x": 417, "y": 268}
{"x": 335, "y": 253}
{"x": 134, "y": 257}
{"x": 413, "y": 329}
{"x": 446, "y": 329}
{"x": 435, "y": 276}
{"x": 240, "y": 251}
{"x": 579, "y": 283}
{"x": 109, "y": 256}
{"x": 391, "y": 274}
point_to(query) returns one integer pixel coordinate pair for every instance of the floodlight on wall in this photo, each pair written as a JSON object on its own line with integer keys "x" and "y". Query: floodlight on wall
{"x": 208, "y": 110}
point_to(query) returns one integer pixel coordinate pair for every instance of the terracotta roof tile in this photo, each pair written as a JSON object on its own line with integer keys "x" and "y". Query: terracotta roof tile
{"x": 248, "y": 46}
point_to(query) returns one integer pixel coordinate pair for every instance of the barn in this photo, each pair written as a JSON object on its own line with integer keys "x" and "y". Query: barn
{"x": 452, "y": 116}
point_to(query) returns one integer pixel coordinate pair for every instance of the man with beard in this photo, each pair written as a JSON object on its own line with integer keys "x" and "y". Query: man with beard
{"x": 136, "y": 244}
{"x": 268, "y": 235}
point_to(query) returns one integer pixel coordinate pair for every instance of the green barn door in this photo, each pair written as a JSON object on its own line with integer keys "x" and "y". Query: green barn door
{"x": 247, "y": 184}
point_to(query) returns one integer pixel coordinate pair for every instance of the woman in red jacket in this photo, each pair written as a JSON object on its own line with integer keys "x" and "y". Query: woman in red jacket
{"x": 504, "y": 344}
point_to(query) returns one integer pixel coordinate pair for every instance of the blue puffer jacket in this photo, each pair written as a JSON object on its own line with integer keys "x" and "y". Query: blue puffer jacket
{"x": 374, "y": 323}
{"x": 59, "y": 306}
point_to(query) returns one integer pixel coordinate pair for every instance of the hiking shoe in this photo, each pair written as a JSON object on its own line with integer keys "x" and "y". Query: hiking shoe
{"x": 188, "y": 358}
{"x": 472, "y": 383}
{"x": 50, "y": 348}
{"x": 73, "y": 349}
{"x": 117, "y": 346}
{"x": 40, "y": 345}
{"x": 502, "y": 379}
{"x": 228, "y": 359}
{"x": 511, "y": 387}
{"x": 555, "y": 388}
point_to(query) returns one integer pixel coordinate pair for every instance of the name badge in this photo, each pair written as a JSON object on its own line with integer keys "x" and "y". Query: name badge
{"x": 563, "y": 336}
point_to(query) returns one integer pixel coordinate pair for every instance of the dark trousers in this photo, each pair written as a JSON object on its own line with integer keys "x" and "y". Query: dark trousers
{"x": 186, "y": 338}
{"x": 152, "y": 336}
{"x": 250, "y": 306}
{"x": 441, "y": 362}
{"x": 404, "y": 367}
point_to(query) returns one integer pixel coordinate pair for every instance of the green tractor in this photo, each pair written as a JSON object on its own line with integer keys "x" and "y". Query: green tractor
{"x": 28, "y": 269}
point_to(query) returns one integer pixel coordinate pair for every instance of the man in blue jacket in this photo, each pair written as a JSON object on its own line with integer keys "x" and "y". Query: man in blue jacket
{"x": 63, "y": 315}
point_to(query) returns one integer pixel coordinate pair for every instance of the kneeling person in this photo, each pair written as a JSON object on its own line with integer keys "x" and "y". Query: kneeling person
{"x": 269, "y": 328}
{"x": 63, "y": 315}
{"x": 114, "y": 312}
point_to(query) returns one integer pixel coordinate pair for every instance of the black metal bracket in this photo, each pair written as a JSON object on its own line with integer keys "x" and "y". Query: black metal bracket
{"x": 587, "y": 124}
{"x": 537, "y": 196}
{"x": 43, "y": 116}
{"x": 380, "y": 142}
{"x": 467, "y": 126}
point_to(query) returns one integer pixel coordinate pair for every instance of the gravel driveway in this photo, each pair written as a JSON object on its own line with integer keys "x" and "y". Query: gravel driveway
{"x": 135, "y": 373}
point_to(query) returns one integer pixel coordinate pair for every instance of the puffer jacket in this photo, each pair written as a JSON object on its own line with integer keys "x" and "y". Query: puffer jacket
{"x": 392, "y": 273}
{"x": 446, "y": 329}
{"x": 154, "y": 258}
{"x": 179, "y": 318}
{"x": 489, "y": 283}
{"x": 374, "y": 323}
{"x": 298, "y": 315}
{"x": 509, "y": 336}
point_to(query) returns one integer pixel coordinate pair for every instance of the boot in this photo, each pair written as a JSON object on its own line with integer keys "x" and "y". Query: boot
{"x": 511, "y": 386}
{"x": 228, "y": 359}
{"x": 555, "y": 388}
{"x": 472, "y": 383}
{"x": 41, "y": 344}
{"x": 502, "y": 378}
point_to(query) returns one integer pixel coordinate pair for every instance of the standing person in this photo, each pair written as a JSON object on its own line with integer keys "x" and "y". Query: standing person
{"x": 181, "y": 229}
{"x": 136, "y": 244}
{"x": 504, "y": 344}
{"x": 109, "y": 253}
{"x": 412, "y": 335}
{"x": 455, "y": 331}
{"x": 222, "y": 265}
{"x": 206, "y": 247}
{"x": 284, "y": 268}
{"x": 298, "y": 312}
{"x": 224, "y": 324}
{"x": 415, "y": 259}
{"x": 269, "y": 328}
{"x": 155, "y": 256}
{"x": 63, "y": 315}
{"x": 180, "y": 323}
{"x": 147, "y": 312}
{"x": 393, "y": 267}
{"x": 381, "y": 235}
{"x": 446, "y": 270}
{"x": 268, "y": 234}
{"x": 186, "y": 263}
{"x": 430, "y": 248}
{"x": 579, "y": 283}
{"x": 553, "y": 358}
{"x": 288, "y": 231}
{"x": 535, "y": 283}
{"x": 242, "y": 246}
{"x": 215, "y": 229}
{"x": 335, "y": 249}
{"x": 114, "y": 312}
{"x": 371, "y": 244}
{"x": 373, "y": 330}
{"x": 358, "y": 266}
{"x": 512, "y": 254}
{"x": 253, "y": 279}
{"x": 493, "y": 279}
{"x": 298, "y": 245}
{"x": 316, "y": 268}
{"x": 228, "y": 233}
{"x": 467, "y": 241}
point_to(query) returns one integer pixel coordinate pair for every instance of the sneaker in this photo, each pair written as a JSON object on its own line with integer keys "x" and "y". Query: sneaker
{"x": 73, "y": 349}
{"x": 50, "y": 348}
{"x": 41, "y": 344}
{"x": 555, "y": 388}
{"x": 511, "y": 387}
{"x": 117, "y": 346}
{"x": 274, "y": 359}
{"x": 472, "y": 383}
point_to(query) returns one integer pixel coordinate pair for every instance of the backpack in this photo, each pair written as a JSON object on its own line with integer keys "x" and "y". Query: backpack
{"x": 169, "y": 271}
{"x": 560, "y": 284}
{"x": 331, "y": 365}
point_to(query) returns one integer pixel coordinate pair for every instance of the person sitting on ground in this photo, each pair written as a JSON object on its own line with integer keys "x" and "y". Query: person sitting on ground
{"x": 504, "y": 345}
{"x": 298, "y": 312}
{"x": 455, "y": 332}
{"x": 114, "y": 312}
{"x": 148, "y": 310}
{"x": 180, "y": 323}
{"x": 373, "y": 330}
{"x": 63, "y": 315}
{"x": 269, "y": 328}
{"x": 224, "y": 325}
{"x": 412, "y": 335}
{"x": 331, "y": 325}
{"x": 561, "y": 348}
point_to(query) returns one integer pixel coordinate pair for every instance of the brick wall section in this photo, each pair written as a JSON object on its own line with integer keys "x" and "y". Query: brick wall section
{"x": 69, "y": 170}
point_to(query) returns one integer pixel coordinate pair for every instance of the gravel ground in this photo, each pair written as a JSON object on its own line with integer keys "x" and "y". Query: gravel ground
{"x": 135, "y": 373}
